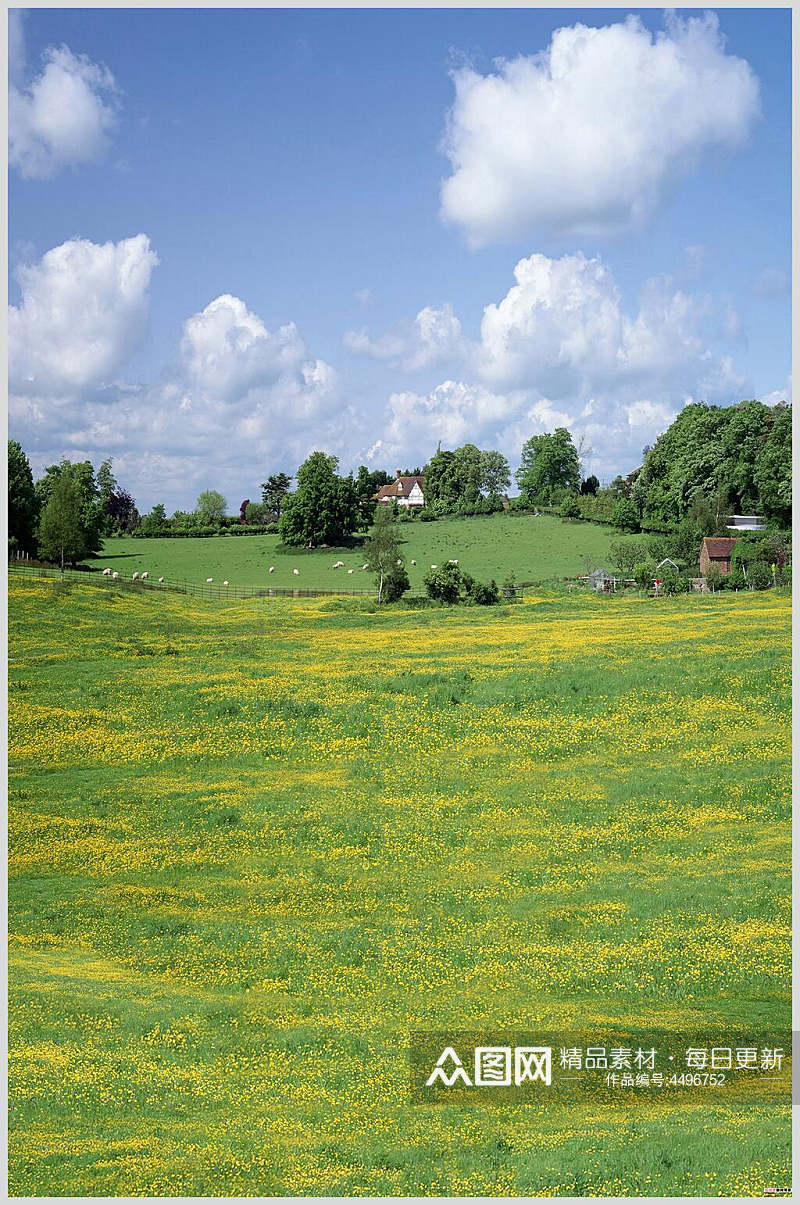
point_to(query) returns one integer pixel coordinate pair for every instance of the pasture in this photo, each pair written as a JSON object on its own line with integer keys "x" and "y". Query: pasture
{"x": 254, "y": 845}
{"x": 536, "y": 549}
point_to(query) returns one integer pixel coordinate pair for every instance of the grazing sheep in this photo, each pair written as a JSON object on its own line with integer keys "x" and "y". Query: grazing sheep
{"x": 452, "y": 562}
{"x": 115, "y": 575}
{"x": 272, "y": 568}
{"x": 413, "y": 562}
{"x": 296, "y": 572}
{"x": 209, "y": 579}
{"x": 225, "y": 583}
{"x": 106, "y": 573}
{"x": 135, "y": 577}
{"x": 434, "y": 566}
{"x": 160, "y": 580}
{"x": 349, "y": 570}
{"x": 145, "y": 575}
{"x": 365, "y": 566}
{"x": 338, "y": 565}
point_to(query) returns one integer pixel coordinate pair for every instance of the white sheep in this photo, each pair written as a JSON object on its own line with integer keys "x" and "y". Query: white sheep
{"x": 349, "y": 570}
{"x": 365, "y": 567}
{"x": 208, "y": 580}
{"x": 296, "y": 572}
{"x": 225, "y": 583}
{"x": 135, "y": 577}
{"x": 106, "y": 573}
{"x": 160, "y": 580}
{"x": 145, "y": 575}
{"x": 452, "y": 562}
{"x": 413, "y": 562}
{"x": 399, "y": 561}
{"x": 338, "y": 565}
{"x": 272, "y": 568}
{"x": 434, "y": 566}
{"x": 115, "y": 575}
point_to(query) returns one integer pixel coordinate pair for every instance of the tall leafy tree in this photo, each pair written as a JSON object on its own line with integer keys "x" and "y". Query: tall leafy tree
{"x": 82, "y": 475}
{"x": 382, "y": 552}
{"x": 548, "y": 463}
{"x": 274, "y": 491}
{"x": 211, "y": 507}
{"x": 62, "y": 533}
{"x": 495, "y": 473}
{"x": 772, "y": 475}
{"x": 23, "y": 506}
{"x": 324, "y": 507}
{"x": 367, "y": 484}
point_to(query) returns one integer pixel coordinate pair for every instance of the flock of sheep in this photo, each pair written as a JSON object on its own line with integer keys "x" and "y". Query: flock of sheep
{"x": 143, "y": 577}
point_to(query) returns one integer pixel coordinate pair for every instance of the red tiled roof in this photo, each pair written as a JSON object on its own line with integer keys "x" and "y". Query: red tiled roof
{"x": 391, "y": 490}
{"x": 720, "y": 547}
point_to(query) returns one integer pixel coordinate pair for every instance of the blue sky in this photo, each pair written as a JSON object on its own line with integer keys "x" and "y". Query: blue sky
{"x": 332, "y": 207}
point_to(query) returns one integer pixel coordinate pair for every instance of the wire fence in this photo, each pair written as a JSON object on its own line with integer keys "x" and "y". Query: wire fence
{"x": 214, "y": 591}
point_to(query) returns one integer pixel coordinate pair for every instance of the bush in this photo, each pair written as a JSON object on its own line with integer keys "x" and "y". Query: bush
{"x": 715, "y": 578}
{"x": 443, "y": 584}
{"x": 485, "y": 594}
{"x": 570, "y": 508}
{"x": 674, "y": 583}
{"x": 625, "y": 515}
{"x": 759, "y": 575}
{"x": 643, "y": 574}
{"x": 395, "y": 584}
{"x": 735, "y": 579}
{"x": 426, "y": 515}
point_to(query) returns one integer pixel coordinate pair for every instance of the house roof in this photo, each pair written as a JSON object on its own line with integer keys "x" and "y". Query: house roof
{"x": 719, "y": 547}
{"x": 391, "y": 490}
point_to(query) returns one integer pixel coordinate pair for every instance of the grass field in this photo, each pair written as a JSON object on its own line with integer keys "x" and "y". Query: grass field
{"x": 253, "y": 846}
{"x": 536, "y": 549}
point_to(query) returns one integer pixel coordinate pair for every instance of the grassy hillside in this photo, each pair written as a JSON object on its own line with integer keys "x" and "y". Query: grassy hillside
{"x": 254, "y": 846}
{"x": 536, "y": 549}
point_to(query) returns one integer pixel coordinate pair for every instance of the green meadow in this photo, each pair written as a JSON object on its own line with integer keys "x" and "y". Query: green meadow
{"x": 254, "y": 846}
{"x": 534, "y": 548}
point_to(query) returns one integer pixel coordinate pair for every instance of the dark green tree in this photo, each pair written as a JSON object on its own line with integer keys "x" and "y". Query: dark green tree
{"x": 772, "y": 474}
{"x": 82, "y": 474}
{"x": 274, "y": 491}
{"x": 324, "y": 507}
{"x": 367, "y": 485}
{"x": 548, "y": 463}
{"x": 23, "y": 507}
{"x": 62, "y": 533}
{"x": 495, "y": 473}
{"x": 590, "y": 486}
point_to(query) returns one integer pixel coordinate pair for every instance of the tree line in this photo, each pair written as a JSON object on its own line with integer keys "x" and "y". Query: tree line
{"x": 711, "y": 462}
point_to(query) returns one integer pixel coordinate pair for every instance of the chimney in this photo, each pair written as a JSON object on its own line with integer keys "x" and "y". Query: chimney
{"x": 398, "y": 472}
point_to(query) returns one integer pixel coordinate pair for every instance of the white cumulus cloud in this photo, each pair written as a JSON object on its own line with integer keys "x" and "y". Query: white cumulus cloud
{"x": 64, "y": 116}
{"x": 584, "y": 137}
{"x": 433, "y": 336}
{"x": 82, "y": 312}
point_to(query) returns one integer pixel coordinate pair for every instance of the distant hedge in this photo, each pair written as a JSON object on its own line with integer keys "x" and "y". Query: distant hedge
{"x": 193, "y": 533}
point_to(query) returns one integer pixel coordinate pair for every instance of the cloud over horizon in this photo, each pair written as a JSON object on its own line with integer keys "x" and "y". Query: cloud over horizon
{"x": 585, "y": 137}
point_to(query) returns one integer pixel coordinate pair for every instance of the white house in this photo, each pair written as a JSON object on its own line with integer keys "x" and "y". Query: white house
{"x": 405, "y": 491}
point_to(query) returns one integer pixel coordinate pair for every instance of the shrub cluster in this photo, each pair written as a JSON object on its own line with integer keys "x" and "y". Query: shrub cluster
{"x": 449, "y": 585}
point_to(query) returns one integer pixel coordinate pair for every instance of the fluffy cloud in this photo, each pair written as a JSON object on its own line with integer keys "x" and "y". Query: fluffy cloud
{"x": 433, "y": 336}
{"x": 561, "y": 329}
{"x": 237, "y": 398}
{"x": 584, "y": 137}
{"x": 62, "y": 118}
{"x": 560, "y": 350}
{"x": 83, "y": 311}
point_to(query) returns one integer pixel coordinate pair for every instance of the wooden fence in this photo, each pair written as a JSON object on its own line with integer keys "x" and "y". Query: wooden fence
{"x": 215, "y": 591}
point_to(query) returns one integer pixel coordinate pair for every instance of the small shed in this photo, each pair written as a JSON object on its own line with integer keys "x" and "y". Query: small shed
{"x": 668, "y": 563}
{"x": 717, "y": 550}
{"x": 601, "y": 580}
